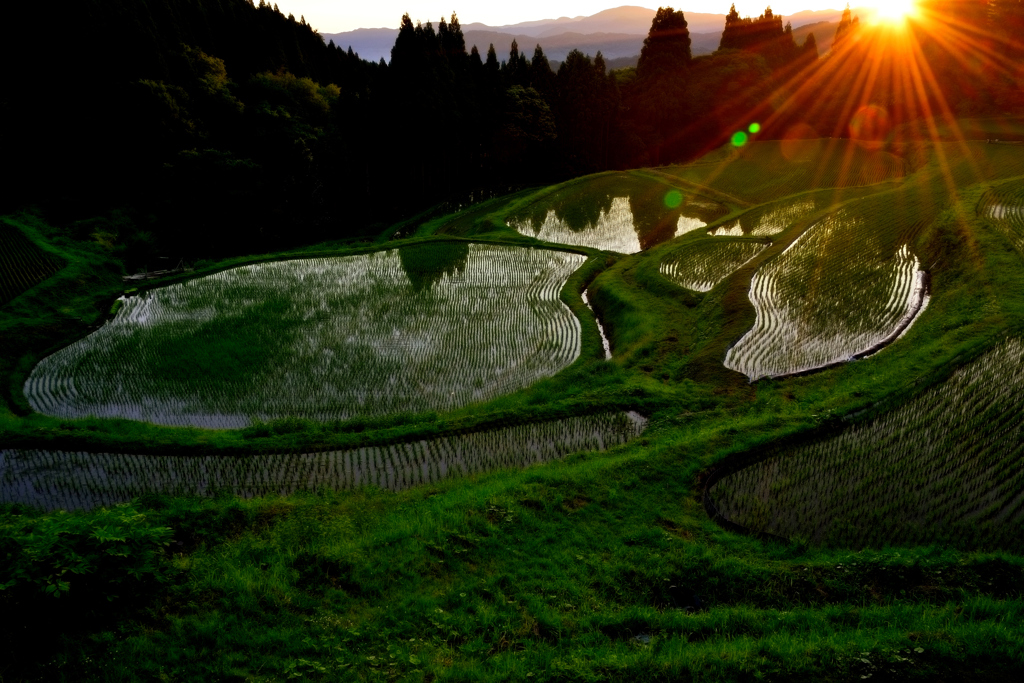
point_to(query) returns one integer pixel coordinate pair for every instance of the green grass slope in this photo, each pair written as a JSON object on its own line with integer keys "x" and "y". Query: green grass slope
{"x": 601, "y": 566}
{"x": 22, "y": 263}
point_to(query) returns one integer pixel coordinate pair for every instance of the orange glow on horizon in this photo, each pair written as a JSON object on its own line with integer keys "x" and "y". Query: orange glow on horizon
{"x": 894, "y": 12}
{"x": 887, "y": 84}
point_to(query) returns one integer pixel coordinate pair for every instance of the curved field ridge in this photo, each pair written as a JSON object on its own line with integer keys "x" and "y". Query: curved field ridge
{"x": 430, "y": 328}
{"x": 944, "y": 468}
{"x": 830, "y": 297}
{"x": 58, "y": 479}
{"x": 1004, "y": 205}
{"x": 704, "y": 264}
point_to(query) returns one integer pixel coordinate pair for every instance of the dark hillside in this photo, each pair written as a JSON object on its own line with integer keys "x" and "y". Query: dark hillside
{"x": 103, "y": 122}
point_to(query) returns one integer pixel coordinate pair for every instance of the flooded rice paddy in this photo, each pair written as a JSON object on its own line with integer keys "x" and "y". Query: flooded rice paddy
{"x": 76, "y": 480}
{"x": 767, "y": 220}
{"x": 432, "y": 327}
{"x": 615, "y": 212}
{"x": 699, "y": 266}
{"x": 832, "y": 296}
{"x": 1004, "y": 206}
{"x": 944, "y": 467}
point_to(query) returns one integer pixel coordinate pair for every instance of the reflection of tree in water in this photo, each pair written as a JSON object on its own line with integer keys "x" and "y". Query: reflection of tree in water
{"x": 425, "y": 264}
{"x": 583, "y": 215}
{"x": 601, "y": 203}
{"x": 652, "y": 220}
{"x": 707, "y": 210}
{"x": 656, "y": 223}
{"x": 772, "y": 219}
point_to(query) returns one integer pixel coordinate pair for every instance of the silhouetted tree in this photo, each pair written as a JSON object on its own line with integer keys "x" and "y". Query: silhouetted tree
{"x": 656, "y": 100}
{"x": 846, "y": 26}
{"x": 666, "y": 48}
{"x": 515, "y": 69}
{"x": 541, "y": 77}
{"x": 764, "y": 35}
{"x": 579, "y": 112}
{"x": 810, "y": 46}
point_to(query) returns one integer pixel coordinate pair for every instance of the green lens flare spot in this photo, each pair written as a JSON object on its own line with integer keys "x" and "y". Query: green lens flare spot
{"x": 673, "y": 198}
{"x": 739, "y": 138}
{"x": 754, "y": 128}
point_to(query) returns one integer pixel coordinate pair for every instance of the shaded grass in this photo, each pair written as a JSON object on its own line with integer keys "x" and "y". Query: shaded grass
{"x": 766, "y": 170}
{"x": 23, "y": 263}
{"x": 556, "y": 571}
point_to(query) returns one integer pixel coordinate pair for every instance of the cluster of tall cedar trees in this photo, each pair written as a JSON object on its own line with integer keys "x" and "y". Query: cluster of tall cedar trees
{"x": 206, "y": 127}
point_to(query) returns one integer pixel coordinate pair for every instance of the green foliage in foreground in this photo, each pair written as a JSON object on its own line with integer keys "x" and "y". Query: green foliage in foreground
{"x": 585, "y": 570}
{"x": 101, "y": 555}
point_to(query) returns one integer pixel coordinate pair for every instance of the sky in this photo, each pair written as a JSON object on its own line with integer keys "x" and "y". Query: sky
{"x": 336, "y": 16}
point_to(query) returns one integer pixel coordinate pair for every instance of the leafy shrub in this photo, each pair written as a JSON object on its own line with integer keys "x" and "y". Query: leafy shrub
{"x": 94, "y": 556}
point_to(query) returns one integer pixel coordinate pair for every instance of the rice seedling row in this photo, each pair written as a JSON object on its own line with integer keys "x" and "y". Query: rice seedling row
{"x": 1004, "y": 206}
{"x": 702, "y": 265}
{"x": 834, "y": 295}
{"x": 944, "y": 468}
{"x": 22, "y": 263}
{"x": 323, "y": 339}
{"x": 78, "y": 480}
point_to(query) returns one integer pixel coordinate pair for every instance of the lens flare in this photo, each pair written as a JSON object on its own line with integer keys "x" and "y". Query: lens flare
{"x": 739, "y": 138}
{"x": 754, "y": 128}
{"x": 870, "y": 126}
{"x": 673, "y": 198}
{"x": 798, "y": 141}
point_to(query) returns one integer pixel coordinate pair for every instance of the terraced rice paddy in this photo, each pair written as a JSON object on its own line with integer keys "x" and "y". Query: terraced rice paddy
{"x": 702, "y": 265}
{"x": 767, "y": 220}
{"x": 1004, "y": 205}
{"x": 618, "y": 212}
{"x": 966, "y": 163}
{"x": 944, "y": 468}
{"x": 833, "y": 295}
{"x": 22, "y": 264}
{"x": 704, "y": 208}
{"x": 432, "y": 327}
{"x": 51, "y": 480}
{"x": 613, "y": 230}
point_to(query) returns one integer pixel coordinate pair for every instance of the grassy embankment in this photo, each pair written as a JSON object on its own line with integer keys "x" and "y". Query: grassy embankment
{"x": 590, "y": 568}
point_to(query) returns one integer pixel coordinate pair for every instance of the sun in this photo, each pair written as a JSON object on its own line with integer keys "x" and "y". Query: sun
{"x": 894, "y": 11}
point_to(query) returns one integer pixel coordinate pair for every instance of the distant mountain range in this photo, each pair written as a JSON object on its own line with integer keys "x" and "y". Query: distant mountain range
{"x": 617, "y": 33}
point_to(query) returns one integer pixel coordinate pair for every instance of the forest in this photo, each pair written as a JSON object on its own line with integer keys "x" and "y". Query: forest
{"x": 193, "y": 130}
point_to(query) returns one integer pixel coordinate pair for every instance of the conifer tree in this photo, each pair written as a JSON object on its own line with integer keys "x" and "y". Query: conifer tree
{"x": 667, "y": 46}
{"x": 491, "y": 65}
{"x": 846, "y": 26}
{"x": 541, "y": 77}
{"x": 810, "y": 47}
{"x": 511, "y": 71}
